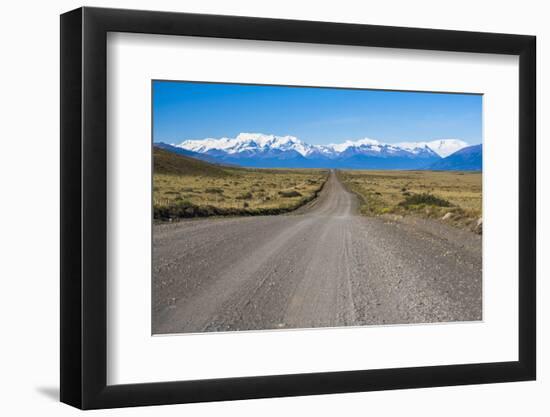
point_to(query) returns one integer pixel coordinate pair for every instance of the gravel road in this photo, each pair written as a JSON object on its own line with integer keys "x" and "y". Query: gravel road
{"x": 322, "y": 266}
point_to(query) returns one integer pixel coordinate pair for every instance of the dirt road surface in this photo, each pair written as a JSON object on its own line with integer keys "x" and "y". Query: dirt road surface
{"x": 322, "y": 266}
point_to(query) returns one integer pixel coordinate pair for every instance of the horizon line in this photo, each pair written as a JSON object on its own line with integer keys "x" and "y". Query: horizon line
{"x": 335, "y": 142}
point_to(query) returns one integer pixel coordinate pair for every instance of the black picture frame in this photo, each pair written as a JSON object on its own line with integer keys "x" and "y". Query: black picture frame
{"x": 84, "y": 207}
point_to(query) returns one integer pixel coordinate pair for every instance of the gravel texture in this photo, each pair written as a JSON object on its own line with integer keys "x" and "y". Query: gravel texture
{"x": 322, "y": 266}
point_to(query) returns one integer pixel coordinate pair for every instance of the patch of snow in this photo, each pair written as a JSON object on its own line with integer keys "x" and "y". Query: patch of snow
{"x": 259, "y": 142}
{"x": 341, "y": 147}
{"x": 247, "y": 142}
{"x": 442, "y": 147}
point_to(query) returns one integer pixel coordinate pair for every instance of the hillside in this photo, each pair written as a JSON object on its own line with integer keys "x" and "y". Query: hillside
{"x": 188, "y": 187}
{"x": 466, "y": 159}
{"x": 185, "y": 152}
{"x": 169, "y": 163}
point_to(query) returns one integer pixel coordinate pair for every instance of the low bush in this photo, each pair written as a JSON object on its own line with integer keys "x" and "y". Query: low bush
{"x": 244, "y": 196}
{"x": 291, "y": 193}
{"x": 426, "y": 199}
{"x": 179, "y": 209}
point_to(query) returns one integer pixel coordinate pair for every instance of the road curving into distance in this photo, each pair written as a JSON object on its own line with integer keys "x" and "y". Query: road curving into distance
{"x": 322, "y": 266}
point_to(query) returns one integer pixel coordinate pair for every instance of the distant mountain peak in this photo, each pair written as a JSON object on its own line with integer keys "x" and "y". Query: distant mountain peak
{"x": 247, "y": 142}
{"x": 341, "y": 147}
{"x": 465, "y": 159}
{"x": 260, "y": 149}
{"x": 443, "y": 147}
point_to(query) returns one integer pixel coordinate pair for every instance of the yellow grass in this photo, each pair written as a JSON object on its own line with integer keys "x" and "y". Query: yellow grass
{"x": 239, "y": 191}
{"x": 402, "y": 193}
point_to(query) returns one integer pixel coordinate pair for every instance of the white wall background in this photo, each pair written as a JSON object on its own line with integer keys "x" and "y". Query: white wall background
{"x": 29, "y": 219}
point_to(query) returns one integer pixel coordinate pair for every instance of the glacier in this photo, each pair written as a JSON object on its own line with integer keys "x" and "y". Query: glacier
{"x": 268, "y": 150}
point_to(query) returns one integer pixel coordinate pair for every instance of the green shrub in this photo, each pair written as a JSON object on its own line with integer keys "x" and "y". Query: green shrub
{"x": 244, "y": 196}
{"x": 426, "y": 199}
{"x": 291, "y": 193}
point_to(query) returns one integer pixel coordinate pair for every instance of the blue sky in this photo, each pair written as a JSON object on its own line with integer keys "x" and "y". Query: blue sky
{"x": 184, "y": 110}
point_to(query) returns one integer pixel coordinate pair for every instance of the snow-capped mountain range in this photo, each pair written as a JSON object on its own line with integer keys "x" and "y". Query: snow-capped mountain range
{"x": 262, "y": 150}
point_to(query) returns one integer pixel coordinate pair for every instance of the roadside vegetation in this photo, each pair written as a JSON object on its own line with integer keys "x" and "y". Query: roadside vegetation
{"x": 185, "y": 187}
{"x": 450, "y": 196}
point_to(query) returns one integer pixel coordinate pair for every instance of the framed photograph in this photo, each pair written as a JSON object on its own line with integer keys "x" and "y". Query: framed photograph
{"x": 258, "y": 208}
